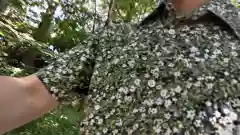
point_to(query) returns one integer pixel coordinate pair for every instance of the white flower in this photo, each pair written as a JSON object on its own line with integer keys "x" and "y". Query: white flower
{"x": 135, "y": 126}
{"x": 105, "y": 130}
{"x": 97, "y": 107}
{"x": 128, "y": 98}
{"x": 209, "y": 85}
{"x": 217, "y": 114}
{"x": 226, "y": 73}
{"x": 144, "y": 58}
{"x": 191, "y": 114}
{"x": 171, "y": 65}
{"x": 214, "y": 56}
{"x": 198, "y": 84}
{"x": 137, "y": 82}
{"x": 158, "y": 87}
{"x": 135, "y": 110}
{"x": 83, "y": 58}
{"x": 208, "y": 103}
{"x": 157, "y": 129}
{"x": 146, "y": 75}
{"x": 226, "y": 111}
{"x": 234, "y": 81}
{"x": 159, "y": 101}
{"x": 100, "y": 121}
{"x": 217, "y": 44}
{"x": 168, "y": 103}
{"x": 131, "y": 63}
{"x": 132, "y": 89}
{"x": 177, "y": 74}
{"x": 172, "y": 32}
{"x": 121, "y": 89}
{"x": 151, "y": 83}
{"x": 217, "y": 51}
{"x": 142, "y": 109}
{"x": 197, "y": 123}
{"x": 226, "y": 60}
{"x": 119, "y": 122}
{"x": 178, "y": 89}
{"x": 194, "y": 49}
{"x": 164, "y": 93}
{"x": 234, "y": 54}
{"x": 152, "y": 110}
{"x": 115, "y": 61}
{"x": 167, "y": 116}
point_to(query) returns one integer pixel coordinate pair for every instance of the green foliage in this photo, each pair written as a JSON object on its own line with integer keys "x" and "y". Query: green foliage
{"x": 61, "y": 121}
{"x": 236, "y": 3}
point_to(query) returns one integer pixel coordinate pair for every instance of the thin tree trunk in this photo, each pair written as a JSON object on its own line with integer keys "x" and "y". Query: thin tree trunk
{"x": 95, "y": 17}
{"x": 110, "y": 12}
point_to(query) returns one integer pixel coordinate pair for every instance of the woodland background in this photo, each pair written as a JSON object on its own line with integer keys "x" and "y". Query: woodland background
{"x": 34, "y": 32}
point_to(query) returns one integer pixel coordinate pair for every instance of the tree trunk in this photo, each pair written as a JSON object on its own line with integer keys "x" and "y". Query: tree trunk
{"x": 3, "y": 5}
{"x": 110, "y": 12}
{"x": 43, "y": 31}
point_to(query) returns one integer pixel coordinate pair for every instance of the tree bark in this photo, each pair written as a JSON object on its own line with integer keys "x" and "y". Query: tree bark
{"x": 110, "y": 12}
{"x": 44, "y": 28}
{"x": 3, "y": 5}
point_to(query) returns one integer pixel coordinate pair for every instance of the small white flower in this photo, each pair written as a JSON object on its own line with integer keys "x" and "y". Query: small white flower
{"x": 226, "y": 73}
{"x": 189, "y": 85}
{"x": 217, "y": 114}
{"x": 97, "y": 107}
{"x": 191, "y": 114}
{"x": 83, "y": 58}
{"x": 135, "y": 126}
{"x": 234, "y": 81}
{"x": 128, "y": 98}
{"x": 135, "y": 110}
{"x": 217, "y": 51}
{"x": 151, "y": 83}
{"x": 217, "y": 44}
{"x": 119, "y": 122}
{"x": 105, "y": 130}
{"x": 172, "y": 32}
{"x": 209, "y": 85}
{"x": 226, "y": 60}
{"x": 115, "y": 61}
{"x": 213, "y": 56}
{"x": 167, "y": 116}
{"x": 171, "y": 65}
{"x": 178, "y": 89}
{"x": 235, "y": 54}
{"x": 198, "y": 123}
{"x": 159, "y": 101}
{"x": 144, "y": 58}
{"x": 177, "y": 74}
{"x": 194, "y": 49}
{"x": 142, "y": 109}
{"x": 226, "y": 111}
{"x": 158, "y": 87}
{"x": 157, "y": 129}
{"x": 131, "y": 63}
{"x": 100, "y": 121}
{"x": 121, "y": 89}
{"x": 164, "y": 93}
{"x": 152, "y": 110}
{"x": 168, "y": 103}
{"x": 146, "y": 75}
{"x": 137, "y": 82}
{"x": 198, "y": 84}
{"x": 132, "y": 89}
{"x": 208, "y": 103}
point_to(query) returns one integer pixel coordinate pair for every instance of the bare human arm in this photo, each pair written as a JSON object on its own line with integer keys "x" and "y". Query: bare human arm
{"x": 22, "y": 100}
